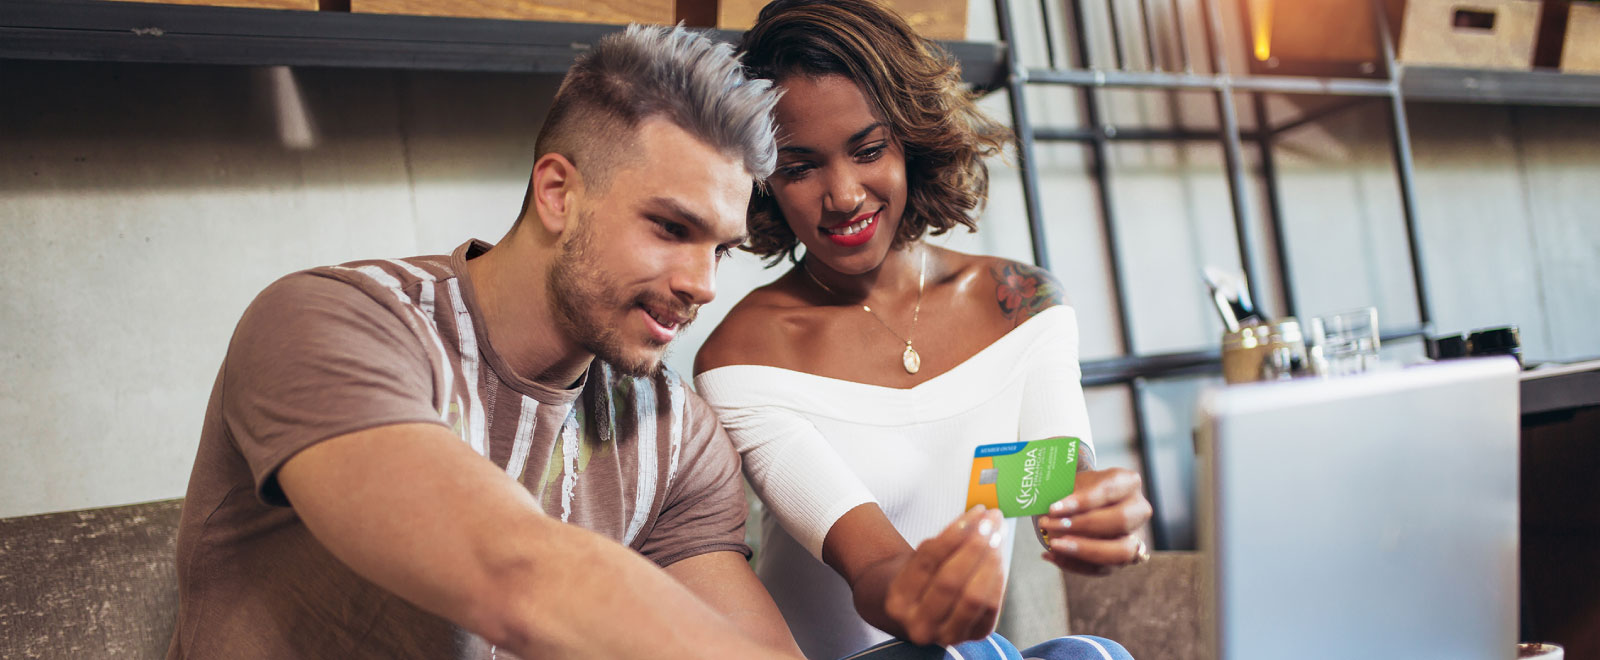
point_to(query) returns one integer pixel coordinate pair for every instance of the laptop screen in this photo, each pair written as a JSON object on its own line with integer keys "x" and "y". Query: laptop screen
{"x": 1372, "y": 516}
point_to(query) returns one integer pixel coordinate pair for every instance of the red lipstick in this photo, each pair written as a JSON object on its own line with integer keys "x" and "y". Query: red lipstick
{"x": 864, "y": 227}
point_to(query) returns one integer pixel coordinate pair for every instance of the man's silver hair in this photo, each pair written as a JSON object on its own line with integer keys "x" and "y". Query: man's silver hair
{"x": 691, "y": 80}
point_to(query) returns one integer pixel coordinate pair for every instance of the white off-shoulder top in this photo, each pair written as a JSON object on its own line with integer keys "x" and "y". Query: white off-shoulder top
{"x": 816, "y": 447}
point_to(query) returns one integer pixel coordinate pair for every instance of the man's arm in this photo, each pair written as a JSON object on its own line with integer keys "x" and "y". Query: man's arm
{"x": 725, "y": 582}
{"x": 413, "y": 509}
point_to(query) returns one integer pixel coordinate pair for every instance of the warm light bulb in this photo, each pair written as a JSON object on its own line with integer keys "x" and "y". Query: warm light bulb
{"x": 1261, "y": 27}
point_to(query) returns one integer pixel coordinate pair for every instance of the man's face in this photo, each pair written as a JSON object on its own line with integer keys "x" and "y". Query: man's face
{"x": 642, "y": 255}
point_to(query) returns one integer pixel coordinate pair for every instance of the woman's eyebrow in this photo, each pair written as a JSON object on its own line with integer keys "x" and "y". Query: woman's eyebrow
{"x": 863, "y": 133}
{"x": 854, "y": 138}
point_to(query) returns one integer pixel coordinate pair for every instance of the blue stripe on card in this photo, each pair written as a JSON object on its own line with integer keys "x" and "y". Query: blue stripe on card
{"x": 998, "y": 449}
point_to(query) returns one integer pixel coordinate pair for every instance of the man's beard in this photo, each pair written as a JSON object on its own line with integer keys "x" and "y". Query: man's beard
{"x": 584, "y": 295}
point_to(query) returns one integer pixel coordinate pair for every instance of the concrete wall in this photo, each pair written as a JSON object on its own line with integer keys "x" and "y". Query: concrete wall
{"x": 141, "y": 206}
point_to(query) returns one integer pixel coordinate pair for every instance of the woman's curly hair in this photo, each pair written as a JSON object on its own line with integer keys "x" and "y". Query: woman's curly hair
{"x": 912, "y": 83}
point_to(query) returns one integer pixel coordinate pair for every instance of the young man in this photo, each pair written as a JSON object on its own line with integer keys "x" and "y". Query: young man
{"x": 478, "y": 455}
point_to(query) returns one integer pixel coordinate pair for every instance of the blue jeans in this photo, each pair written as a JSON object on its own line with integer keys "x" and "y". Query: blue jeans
{"x": 995, "y": 647}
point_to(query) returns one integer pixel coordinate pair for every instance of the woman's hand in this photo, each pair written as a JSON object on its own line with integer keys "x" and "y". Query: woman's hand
{"x": 949, "y": 590}
{"x": 1091, "y": 530}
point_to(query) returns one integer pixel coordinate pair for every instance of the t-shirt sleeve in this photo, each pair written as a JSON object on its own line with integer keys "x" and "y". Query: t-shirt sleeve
{"x": 797, "y": 474}
{"x": 314, "y": 358}
{"x": 1052, "y": 398}
{"x": 705, "y": 508}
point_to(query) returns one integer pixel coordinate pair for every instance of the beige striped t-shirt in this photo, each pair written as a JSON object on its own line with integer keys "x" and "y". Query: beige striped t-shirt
{"x": 331, "y": 351}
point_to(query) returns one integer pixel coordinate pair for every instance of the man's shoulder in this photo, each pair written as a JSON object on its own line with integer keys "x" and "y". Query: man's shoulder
{"x": 371, "y": 302}
{"x": 393, "y": 284}
{"x": 389, "y": 275}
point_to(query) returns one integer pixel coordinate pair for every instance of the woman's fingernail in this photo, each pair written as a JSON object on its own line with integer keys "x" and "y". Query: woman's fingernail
{"x": 994, "y": 541}
{"x": 1064, "y": 545}
{"x": 984, "y": 527}
{"x": 1066, "y": 522}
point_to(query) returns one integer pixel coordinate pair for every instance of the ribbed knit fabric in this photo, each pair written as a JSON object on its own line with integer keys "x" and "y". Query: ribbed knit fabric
{"x": 816, "y": 447}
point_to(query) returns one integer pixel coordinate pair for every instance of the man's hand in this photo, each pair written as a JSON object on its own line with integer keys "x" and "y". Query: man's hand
{"x": 949, "y": 590}
{"x": 1091, "y": 530}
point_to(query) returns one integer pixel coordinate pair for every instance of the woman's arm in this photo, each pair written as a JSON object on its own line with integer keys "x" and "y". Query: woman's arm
{"x": 946, "y": 591}
{"x": 1092, "y": 529}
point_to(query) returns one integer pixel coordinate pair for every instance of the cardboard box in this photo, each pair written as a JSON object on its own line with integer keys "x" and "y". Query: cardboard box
{"x": 934, "y": 19}
{"x": 660, "y": 12}
{"x": 1337, "y": 38}
{"x": 1479, "y": 34}
{"x": 1581, "y": 54}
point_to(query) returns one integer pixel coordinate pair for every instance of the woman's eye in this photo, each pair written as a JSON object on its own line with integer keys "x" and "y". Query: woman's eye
{"x": 722, "y": 251}
{"x": 871, "y": 153}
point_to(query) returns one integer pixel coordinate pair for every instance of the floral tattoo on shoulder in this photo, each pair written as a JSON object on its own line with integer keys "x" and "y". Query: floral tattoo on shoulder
{"x": 1023, "y": 290}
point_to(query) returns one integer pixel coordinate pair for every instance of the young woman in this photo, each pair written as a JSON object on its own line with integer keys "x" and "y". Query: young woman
{"x": 858, "y": 384}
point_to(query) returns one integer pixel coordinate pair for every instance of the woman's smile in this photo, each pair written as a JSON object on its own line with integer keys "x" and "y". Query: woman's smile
{"x": 856, "y": 232}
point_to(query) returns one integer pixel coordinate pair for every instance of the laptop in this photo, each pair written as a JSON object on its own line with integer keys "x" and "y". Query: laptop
{"x": 1371, "y": 516}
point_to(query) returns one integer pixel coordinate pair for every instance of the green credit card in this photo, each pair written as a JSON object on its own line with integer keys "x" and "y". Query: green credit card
{"x": 1023, "y": 478}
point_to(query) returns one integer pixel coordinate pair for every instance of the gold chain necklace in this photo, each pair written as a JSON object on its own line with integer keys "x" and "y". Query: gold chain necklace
{"x": 909, "y": 357}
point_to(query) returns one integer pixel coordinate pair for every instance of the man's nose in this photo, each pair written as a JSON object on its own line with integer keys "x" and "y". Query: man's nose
{"x": 696, "y": 278}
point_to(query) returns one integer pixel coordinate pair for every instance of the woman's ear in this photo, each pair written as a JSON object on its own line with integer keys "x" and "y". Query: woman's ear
{"x": 555, "y": 187}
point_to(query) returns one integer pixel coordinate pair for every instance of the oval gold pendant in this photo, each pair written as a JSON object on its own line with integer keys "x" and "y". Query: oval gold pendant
{"x": 911, "y": 360}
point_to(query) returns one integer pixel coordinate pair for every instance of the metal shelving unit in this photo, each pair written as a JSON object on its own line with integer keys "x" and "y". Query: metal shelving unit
{"x": 1396, "y": 85}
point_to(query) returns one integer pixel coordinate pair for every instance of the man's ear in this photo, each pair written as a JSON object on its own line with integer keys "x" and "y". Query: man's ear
{"x": 554, "y": 189}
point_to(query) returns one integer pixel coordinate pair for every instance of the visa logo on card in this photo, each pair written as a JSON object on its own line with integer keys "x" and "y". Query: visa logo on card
{"x": 1023, "y": 478}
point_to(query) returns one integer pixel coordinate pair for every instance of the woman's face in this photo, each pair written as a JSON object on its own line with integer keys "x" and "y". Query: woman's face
{"x": 841, "y": 176}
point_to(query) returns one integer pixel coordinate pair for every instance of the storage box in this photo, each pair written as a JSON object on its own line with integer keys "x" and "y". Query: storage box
{"x": 659, "y": 12}
{"x": 1483, "y": 34}
{"x": 1581, "y": 54}
{"x": 1338, "y": 37}
{"x": 934, "y": 19}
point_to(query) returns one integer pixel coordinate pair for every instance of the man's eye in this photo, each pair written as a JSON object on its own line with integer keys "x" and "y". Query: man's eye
{"x": 673, "y": 229}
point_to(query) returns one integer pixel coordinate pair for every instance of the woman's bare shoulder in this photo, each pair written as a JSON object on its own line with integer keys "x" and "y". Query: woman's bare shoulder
{"x": 759, "y": 329}
{"x": 1015, "y": 290}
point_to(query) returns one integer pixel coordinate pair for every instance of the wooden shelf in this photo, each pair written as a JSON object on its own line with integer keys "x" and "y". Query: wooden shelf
{"x": 95, "y": 30}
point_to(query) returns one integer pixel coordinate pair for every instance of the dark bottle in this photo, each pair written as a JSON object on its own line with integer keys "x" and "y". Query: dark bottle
{"x": 1495, "y": 341}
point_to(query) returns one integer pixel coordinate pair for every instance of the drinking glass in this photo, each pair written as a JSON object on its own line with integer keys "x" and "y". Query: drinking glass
{"x": 1345, "y": 343}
